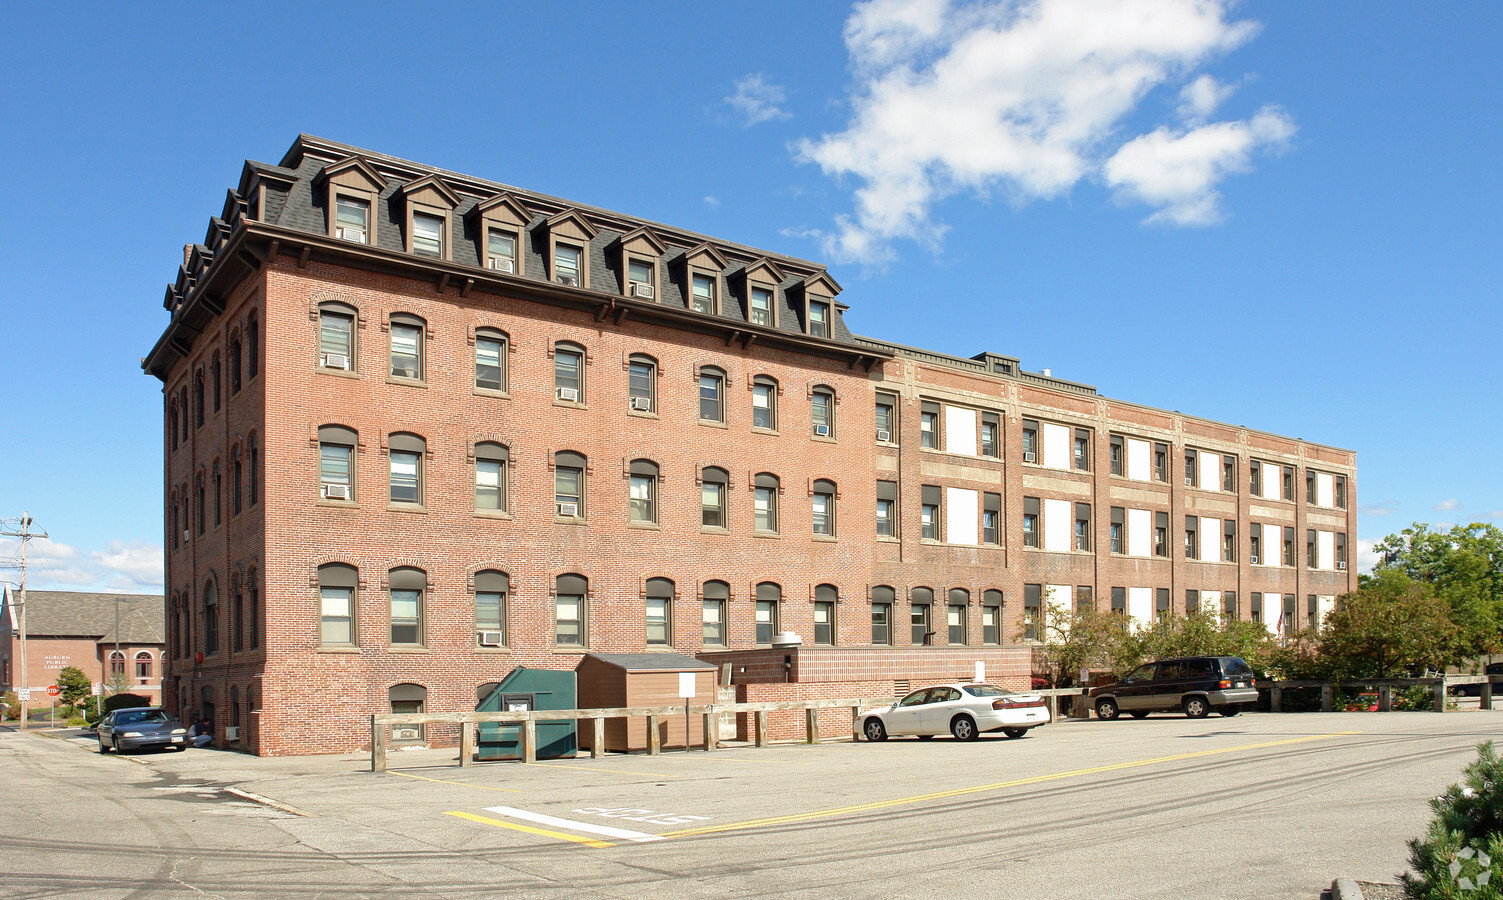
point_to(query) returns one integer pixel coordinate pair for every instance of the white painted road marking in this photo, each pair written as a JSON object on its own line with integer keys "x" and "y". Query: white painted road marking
{"x": 641, "y": 815}
{"x": 588, "y": 827}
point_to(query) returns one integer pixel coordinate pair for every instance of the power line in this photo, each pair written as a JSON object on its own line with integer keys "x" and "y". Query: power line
{"x": 26, "y": 535}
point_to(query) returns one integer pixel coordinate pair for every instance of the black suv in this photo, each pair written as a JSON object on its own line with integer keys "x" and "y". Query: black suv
{"x": 1194, "y": 684}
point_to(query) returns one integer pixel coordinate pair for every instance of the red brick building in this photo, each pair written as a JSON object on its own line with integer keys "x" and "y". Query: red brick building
{"x": 422, "y": 428}
{"x": 115, "y": 639}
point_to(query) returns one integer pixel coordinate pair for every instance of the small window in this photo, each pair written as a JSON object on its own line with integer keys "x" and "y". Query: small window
{"x": 642, "y": 506}
{"x": 568, "y": 373}
{"x": 819, "y": 318}
{"x": 882, "y": 598}
{"x": 406, "y": 452}
{"x": 198, "y": 399}
{"x": 1117, "y": 454}
{"x": 1341, "y": 492}
{"x": 1288, "y": 493}
{"x": 491, "y": 348}
{"x": 765, "y": 503}
{"x": 428, "y": 235}
{"x": 143, "y": 664}
{"x": 887, "y": 418}
{"x": 491, "y": 463}
{"x": 352, "y": 219}
{"x": 639, "y": 278}
{"x": 769, "y": 598}
{"x": 990, "y": 428}
{"x": 1161, "y": 534}
{"x": 214, "y": 381}
{"x": 1255, "y": 478}
{"x": 336, "y": 473}
{"x": 641, "y": 384}
{"x": 929, "y": 512}
{"x": 1082, "y": 526}
{"x": 713, "y": 483}
{"x": 1289, "y": 545}
{"x": 761, "y": 306}
{"x": 1229, "y": 540}
{"x": 824, "y": 615}
{"x": 711, "y": 395}
{"x": 566, "y": 263}
{"x": 1192, "y": 537}
{"x": 659, "y": 612}
{"x": 920, "y": 599}
{"x": 336, "y": 588}
{"x": 252, "y": 345}
{"x": 822, "y": 411}
{"x": 1161, "y": 463}
{"x": 336, "y": 337}
{"x": 1033, "y": 607}
{"x": 569, "y": 610}
{"x": 1228, "y": 473}
{"x": 1192, "y": 468}
{"x": 491, "y": 590}
{"x": 764, "y": 403}
{"x": 824, "y": 507}
{"x": 234, "y": 365}
{"x": 407, "y": 347}
{"x": 1030, "y": 441}
{"x": 501, "y": 251}
{"x": 887, "y": 504}
{"x": 1031, "y": 522}
{"x": 702, "y": 293}
{"x": 1084, "y": 600}
{"x": 991, "y": 519}
{"x": 1082, "y": 456}
{"x": 714, "y": 596}
{"x": 1310, "y": 481}
{"x": 568, "y": 485}
{"x": 929, "y": 426}
{"x": 956, "y": 616}
{"x": 991, "y": 617}
{"x": 407, "y": 589}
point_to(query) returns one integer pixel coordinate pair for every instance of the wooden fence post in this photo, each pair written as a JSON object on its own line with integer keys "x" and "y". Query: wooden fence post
{"x": 1275, "y": 699}
{"x": 1485, "y": 701}
{"x": 1385, "y": 698}
{"x": 760, "y": 717}
{"x": 1327, "y": 698}
{"x": 1440, "y": 696}
{"x": 466, "y": 742}
{"x": 811, "y": 725}
{"x": 529, "y": 734}
{"x": 378, "y": 746}
{"x": 597, "y": 737}
{"x": 654, "y": 740}
{"x": 711, "y": 730}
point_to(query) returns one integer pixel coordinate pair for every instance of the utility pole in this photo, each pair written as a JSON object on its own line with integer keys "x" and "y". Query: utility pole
{"x": 25, "y": 534}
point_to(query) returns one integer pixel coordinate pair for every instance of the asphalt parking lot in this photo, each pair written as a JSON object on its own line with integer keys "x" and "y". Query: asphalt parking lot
{"x": 1253, "y": 806}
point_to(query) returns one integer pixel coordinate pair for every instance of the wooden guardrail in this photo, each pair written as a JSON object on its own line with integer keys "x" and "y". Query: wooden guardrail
{"x": 528, "y": 721}
{"x": 1383, "y": 686}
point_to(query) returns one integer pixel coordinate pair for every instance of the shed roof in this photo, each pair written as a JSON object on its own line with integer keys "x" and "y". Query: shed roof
{"x": 652, "y": 662}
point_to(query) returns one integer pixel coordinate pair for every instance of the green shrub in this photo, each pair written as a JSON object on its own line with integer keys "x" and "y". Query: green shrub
{"x": 1461, "y": 855}
{"x": 1418, "y": 696}
{"x": 10, "y": 705}
{"x": 124, "y": 701}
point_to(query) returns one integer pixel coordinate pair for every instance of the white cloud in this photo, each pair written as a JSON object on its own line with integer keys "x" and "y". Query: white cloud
{"x": 1386, "y": 508}
{"x": 122, "y": 566}
{"x": 1178, "y": 170}
{"x": 137, "y": 563}
{"x": 1496, "y": 514}
{"x": 1367, "y": 557}
{"x": 1447, "y": 505}
{"x": 712, "y": 201}
{"x": 757, "y": 100}
{"x": 1201, "y": 97}
{"x": 1022, "y": 98}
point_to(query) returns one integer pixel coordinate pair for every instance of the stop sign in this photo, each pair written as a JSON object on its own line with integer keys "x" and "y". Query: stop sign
{"x": 53, "y": 690}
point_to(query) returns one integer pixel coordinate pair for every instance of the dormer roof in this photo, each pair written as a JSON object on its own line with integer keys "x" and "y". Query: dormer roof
{"x": 766, "y": 268}
{"x": 705, "y": 254}
{"x": 432, "y": 190}
{"x": 504, "y": 206}
{"x": 353, "y": 170}
{"x": 572, "y": 217}
{"x": 646, "y": 235}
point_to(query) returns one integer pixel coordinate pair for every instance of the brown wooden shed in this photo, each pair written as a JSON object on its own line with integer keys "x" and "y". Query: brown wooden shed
{"x": 608, "y": 680}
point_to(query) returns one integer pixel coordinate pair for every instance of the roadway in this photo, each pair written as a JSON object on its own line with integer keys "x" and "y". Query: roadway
{"x": 1257, "y": 806}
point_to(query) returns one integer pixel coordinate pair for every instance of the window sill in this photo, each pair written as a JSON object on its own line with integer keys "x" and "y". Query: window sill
{"x": 408, "y": 649}
{"x": 757, "y": 429}
{"x": 639, "y": 414}
{"x": 823, "y": 440}
{"x": 492, "y": 651}
{"x": 713, "y": 529}
{"x": 342, "y": 373}
{"x": 570, "y": 651}
{"x": 888, "y": 539}
{"x": 337, "y": 649}
{"x": 407, "y": 508}
{"x": 826, "y": 538}
{"x": 410, "y": 382}
{"x": 768, "y": 535}
{"x": 712, "y": 423}
{"x": 493, "y": 514}
{"x": 491, "y": 392}
{"x": 338, "y": 504}
{"x": 644, "y": 526}
{"x": 568, "y": 520}
{"x": 567, "y": 405}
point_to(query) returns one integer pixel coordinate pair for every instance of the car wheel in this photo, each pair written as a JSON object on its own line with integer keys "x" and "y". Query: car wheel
{"x": 964, "y": 728}
{"x": 1106, "y": 708}
{"x": 116, "y": 743}
{"x": 1138, "y": 713}
{"x": 1014, "y": 732}
{"x": 103, "y": 747}
{"x": 1230, "y": 710}
{"x": 874, "y": 730}
{"x": 1196, "y": 707}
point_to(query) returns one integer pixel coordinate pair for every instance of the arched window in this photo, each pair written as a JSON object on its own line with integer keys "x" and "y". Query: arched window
{"x": 822, "y": 411}
{"x": 214, "y": 380}
{"x": 143, "y": 664}
{"x": 713, "y": 482}
{"x": 410, "y": 699}
{"x": 491, "y": 463}
{"x": 641, "y": 383}
{"x": 253, "y": 608}
{"x": 883, "y": 598}
{"x": 182, "y": 403}
{"x": 336, "y": 336}
{"x": 711, "y": 394}
{"x": 409, "y": 587}
{"x": 253, "y": 345}
{"x": 211, "y": 618}
{"x": 336, "y": 592}
{"x": 218, "y": 486}
{"x": 642, "y": 507}
{"x": 659, "y": 595}
{"x": 491, "y": 590}
{"x": 237, "y": 618}
{"x": 765, "y": 502}
{"x": 568, "y": 372}
{"x": 769, "y": 598}
{"x": 826, "y": 596}
{"x": 957, "y": 616}
{"x": 407, "y": 333}
{"x": 117, "y": 663}
{"x": 569, "y": 470}
{"x": 491, "y": 352}
{"x": 571, "y": 611}
{"x": 172, "y": 424}
{"x": 823, "y": 502}
{"x": 336, "y": 462}
{"x": 715, "y": 595}
{"x": 235, "y": 363}
{"x": 198, "y": 398}
{"x": 253, "y": 469}
{"x": 405, "y": 453}
{"x": 920, "y": 600}
{"x": 764, "y": 390}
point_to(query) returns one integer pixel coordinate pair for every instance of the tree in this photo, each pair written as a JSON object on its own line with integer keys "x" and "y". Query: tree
{"x": 1092, "y": 639}
{"x": 1391, "y": 624}
{"x": 75, "y": 685}
{"x": 1464, "y": 566}
{"x": 1079, "y": 640}
{"x": 1461, "y": 854}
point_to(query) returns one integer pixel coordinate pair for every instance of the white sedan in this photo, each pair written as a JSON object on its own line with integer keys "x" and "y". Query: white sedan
{"x": 964, "y": 710}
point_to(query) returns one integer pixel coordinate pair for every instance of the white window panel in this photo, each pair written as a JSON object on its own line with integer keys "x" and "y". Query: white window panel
{"x": 962, "y": 516}
{"x": 1325, "y": 490}
{"x": 1210, "y": 539}
{"x": 1058, "y": 595}
{"x": 1056, "y": 440}
{"x": 960, "y": 430}
{"x": 1273, "y": 613}
{"x": 1059, "y": 526}
{"x": 1324, "y": 603}
{"x": 1139, "y": 532}
{"x": 1139, "y": 460}
{"x": 1140, "y": 605}
{"x": 1273, "y": 479}
{"x": 1325, "y": 549}
{"x": 1210, "y": 604}
{"x": 1210, "y": 470}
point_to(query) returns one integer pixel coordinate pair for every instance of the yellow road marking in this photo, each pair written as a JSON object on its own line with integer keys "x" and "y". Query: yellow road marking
{"x": 478, "y": 787}
{"x": 486, "y": 820}
{"x": 960, "y": 792}
{"x": 606, "y": 771}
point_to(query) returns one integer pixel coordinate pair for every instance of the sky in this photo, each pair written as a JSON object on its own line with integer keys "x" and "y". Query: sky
{"x": 1283, "y": 215}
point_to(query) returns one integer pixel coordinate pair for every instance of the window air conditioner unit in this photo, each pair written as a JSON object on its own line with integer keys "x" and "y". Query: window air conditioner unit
{"x": 232, "y": 732}
{"x": 489, "y": 638}
{"x": 884, "y": 436}
{"x": 569, "y": 395}
{"x": 336, "y": 492}
{"x": 404, "y": 373}
{"x": 638, "y": 289}
{"x": 822, "y": 430}
{"x": 501, "y": 264}
{"x": 567, "y": 279}
{"x": 350, "y": 234}
{"x": 185, "y": 535}
{"x": 1029, "y": 456}
{"x": 641, "y": 404}
{"x": 1255, "y": 559}
{"x": 1189, "y": 481}
{"x": 1341, "y": 565}
{"x": 336, "y": 361}
{"x": 568, "y": 509}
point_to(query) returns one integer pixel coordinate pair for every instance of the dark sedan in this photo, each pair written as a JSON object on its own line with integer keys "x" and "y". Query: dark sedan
{"x": 139, "y": 728}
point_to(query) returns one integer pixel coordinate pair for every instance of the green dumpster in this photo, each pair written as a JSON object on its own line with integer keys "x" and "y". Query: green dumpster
{"x": 529, "y": 689}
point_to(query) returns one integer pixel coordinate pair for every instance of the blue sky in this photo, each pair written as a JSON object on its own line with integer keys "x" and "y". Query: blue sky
{"x": 1282, "y": 215}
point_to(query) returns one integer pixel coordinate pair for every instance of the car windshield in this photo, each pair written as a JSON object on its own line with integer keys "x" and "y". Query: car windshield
{"x": 144, "y": 716}
{"x": 1235, "y": 667}
{"x": 1141, "y": 673}
{"x": 986, "y": 690}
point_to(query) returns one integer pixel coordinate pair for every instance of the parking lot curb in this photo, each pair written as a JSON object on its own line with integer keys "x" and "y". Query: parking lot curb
{"x": 267, "y": 801}
{"x": 1345, "y": 889}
